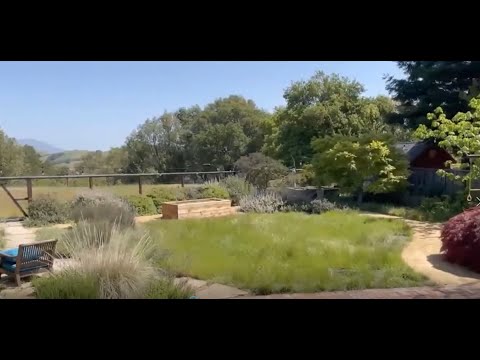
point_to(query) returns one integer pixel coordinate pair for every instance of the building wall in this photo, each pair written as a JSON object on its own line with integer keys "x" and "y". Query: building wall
{"x": 433, "y": 158}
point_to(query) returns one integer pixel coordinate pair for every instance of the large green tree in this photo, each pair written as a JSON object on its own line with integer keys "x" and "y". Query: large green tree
{"x": 245, "y": 113}
{"x": 195, "y": 138}
{"x": 33, "y": 164}
{"x": 91, "y": 163}
{"x": 322, "y": 106}
{"x": 11, "y": 156}
{"x": 259, "y": 169}
{"x": 156, "y": 145}
{"x": 359, "y": 164}
{"x": 430, "y": 84}
{"x": 223, "y": 131}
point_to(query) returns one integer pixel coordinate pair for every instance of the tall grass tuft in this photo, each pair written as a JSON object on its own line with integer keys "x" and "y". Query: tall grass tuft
{"x": 107, "y": 263}
{"x": 102, "y": 209}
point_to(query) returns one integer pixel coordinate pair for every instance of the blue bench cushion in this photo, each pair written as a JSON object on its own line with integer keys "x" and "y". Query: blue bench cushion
{"x": 9, "y": 252}
{"x": 9, "y": 266}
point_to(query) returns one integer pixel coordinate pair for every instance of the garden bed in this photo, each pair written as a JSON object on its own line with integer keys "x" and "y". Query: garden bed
{"x": 198, "y": 208}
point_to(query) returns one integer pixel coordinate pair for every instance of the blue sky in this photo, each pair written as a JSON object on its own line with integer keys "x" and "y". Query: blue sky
{"x": 95, "y": 105}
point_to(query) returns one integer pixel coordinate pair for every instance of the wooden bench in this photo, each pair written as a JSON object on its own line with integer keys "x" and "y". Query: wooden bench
{"x": 31, "y": 258}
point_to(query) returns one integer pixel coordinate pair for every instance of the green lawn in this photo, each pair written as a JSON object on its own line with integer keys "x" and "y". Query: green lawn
{"x": 290, "y": 252}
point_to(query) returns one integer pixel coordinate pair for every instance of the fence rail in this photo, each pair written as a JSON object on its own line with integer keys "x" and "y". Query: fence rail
{"x": 90, "y": 177}
{"x": 82, "y": 176}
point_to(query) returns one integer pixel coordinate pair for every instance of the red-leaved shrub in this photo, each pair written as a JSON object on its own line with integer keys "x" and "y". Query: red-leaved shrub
{"x": 461, "y": 239}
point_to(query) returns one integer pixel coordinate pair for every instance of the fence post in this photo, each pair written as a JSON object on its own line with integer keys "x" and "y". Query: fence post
{"x": 29, "y": 191}
{"x": 140, "y": 190}
{"x": 90, "y": 183}
{"x": 183, "y": 180}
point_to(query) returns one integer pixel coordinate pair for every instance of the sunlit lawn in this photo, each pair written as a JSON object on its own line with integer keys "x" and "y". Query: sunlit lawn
{"x": 289, "y": 252}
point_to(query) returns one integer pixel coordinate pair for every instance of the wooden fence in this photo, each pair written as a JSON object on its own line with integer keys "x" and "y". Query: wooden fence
{"x": 28, "y": 181}
{"x": 426, "y": 182}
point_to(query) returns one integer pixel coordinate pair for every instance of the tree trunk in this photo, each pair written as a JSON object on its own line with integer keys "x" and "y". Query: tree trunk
{"x": 360, "y": 197}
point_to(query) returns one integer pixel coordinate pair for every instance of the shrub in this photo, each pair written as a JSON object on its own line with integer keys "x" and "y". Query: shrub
{"x": 165, "y": 288}
{"x": 237, "y": 187}
{"x": 118, "y": 269}
{"x": 461, "y": 239}
{"x": 143, "y": 205}
{"x": 259, "y": 169}
{"x": 320, "y": 206}
{"x": 46, "y": 210}
{"x": 262, "y": 202}
{"x": 306, "y": 207}
{"x": 102, "y": 208}
{"x": 164, "y": 194}
{"x": 87, "y": 233}
{"x": 303, "y": 177}
{"x": 213, "y": 191}
{"x": 95, "y": 197}
{"x": 193, "y": 192}
{"x": 443, "y": 208}
{"x": 119, "y": 264}
{"x": 105, "y": 213}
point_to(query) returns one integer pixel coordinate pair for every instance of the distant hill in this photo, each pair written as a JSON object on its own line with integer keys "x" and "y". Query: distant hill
{"x": 65, "y": 158}
{"x": 40, "y": 146}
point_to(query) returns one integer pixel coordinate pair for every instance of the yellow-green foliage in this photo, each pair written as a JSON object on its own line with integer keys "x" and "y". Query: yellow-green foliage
{"x": 143, "y": 205}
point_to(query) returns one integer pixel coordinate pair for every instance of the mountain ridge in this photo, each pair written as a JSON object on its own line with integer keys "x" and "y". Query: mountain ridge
{"x": 40, "y": 146}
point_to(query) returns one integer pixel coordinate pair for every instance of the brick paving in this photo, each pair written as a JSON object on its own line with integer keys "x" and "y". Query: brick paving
{"x": 466, "y": 291}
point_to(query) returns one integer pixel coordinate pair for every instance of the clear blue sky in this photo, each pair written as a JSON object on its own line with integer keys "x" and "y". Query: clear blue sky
{"x": 95, "y": 105}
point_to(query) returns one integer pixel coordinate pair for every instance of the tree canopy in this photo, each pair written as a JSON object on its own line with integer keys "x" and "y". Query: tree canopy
{"x": 324, "y": 105}
{"x": 195, "y": 138}
{"x": 430, "y": 84}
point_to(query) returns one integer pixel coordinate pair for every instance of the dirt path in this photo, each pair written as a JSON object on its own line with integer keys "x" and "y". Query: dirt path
{"x": 16, "y": 234}
{"x": 423, "y": 255}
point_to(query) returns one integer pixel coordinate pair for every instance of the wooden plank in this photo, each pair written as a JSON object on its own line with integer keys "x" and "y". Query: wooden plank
{"x": 204, "y": 207}
{"x": 29, "y": 190}
{"x": 140, "y": 191}
{"x": 205, "y": 210}
{"x": 206, "y": 204}
{"x": 197, "y": 209}
{"x": 14, "y": 200}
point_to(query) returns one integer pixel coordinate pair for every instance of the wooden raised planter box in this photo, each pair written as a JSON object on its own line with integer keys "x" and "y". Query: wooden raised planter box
{"x": 199, "y": 208}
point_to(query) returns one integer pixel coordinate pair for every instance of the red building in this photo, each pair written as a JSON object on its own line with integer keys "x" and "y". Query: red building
{"x": 425, "y": 154}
